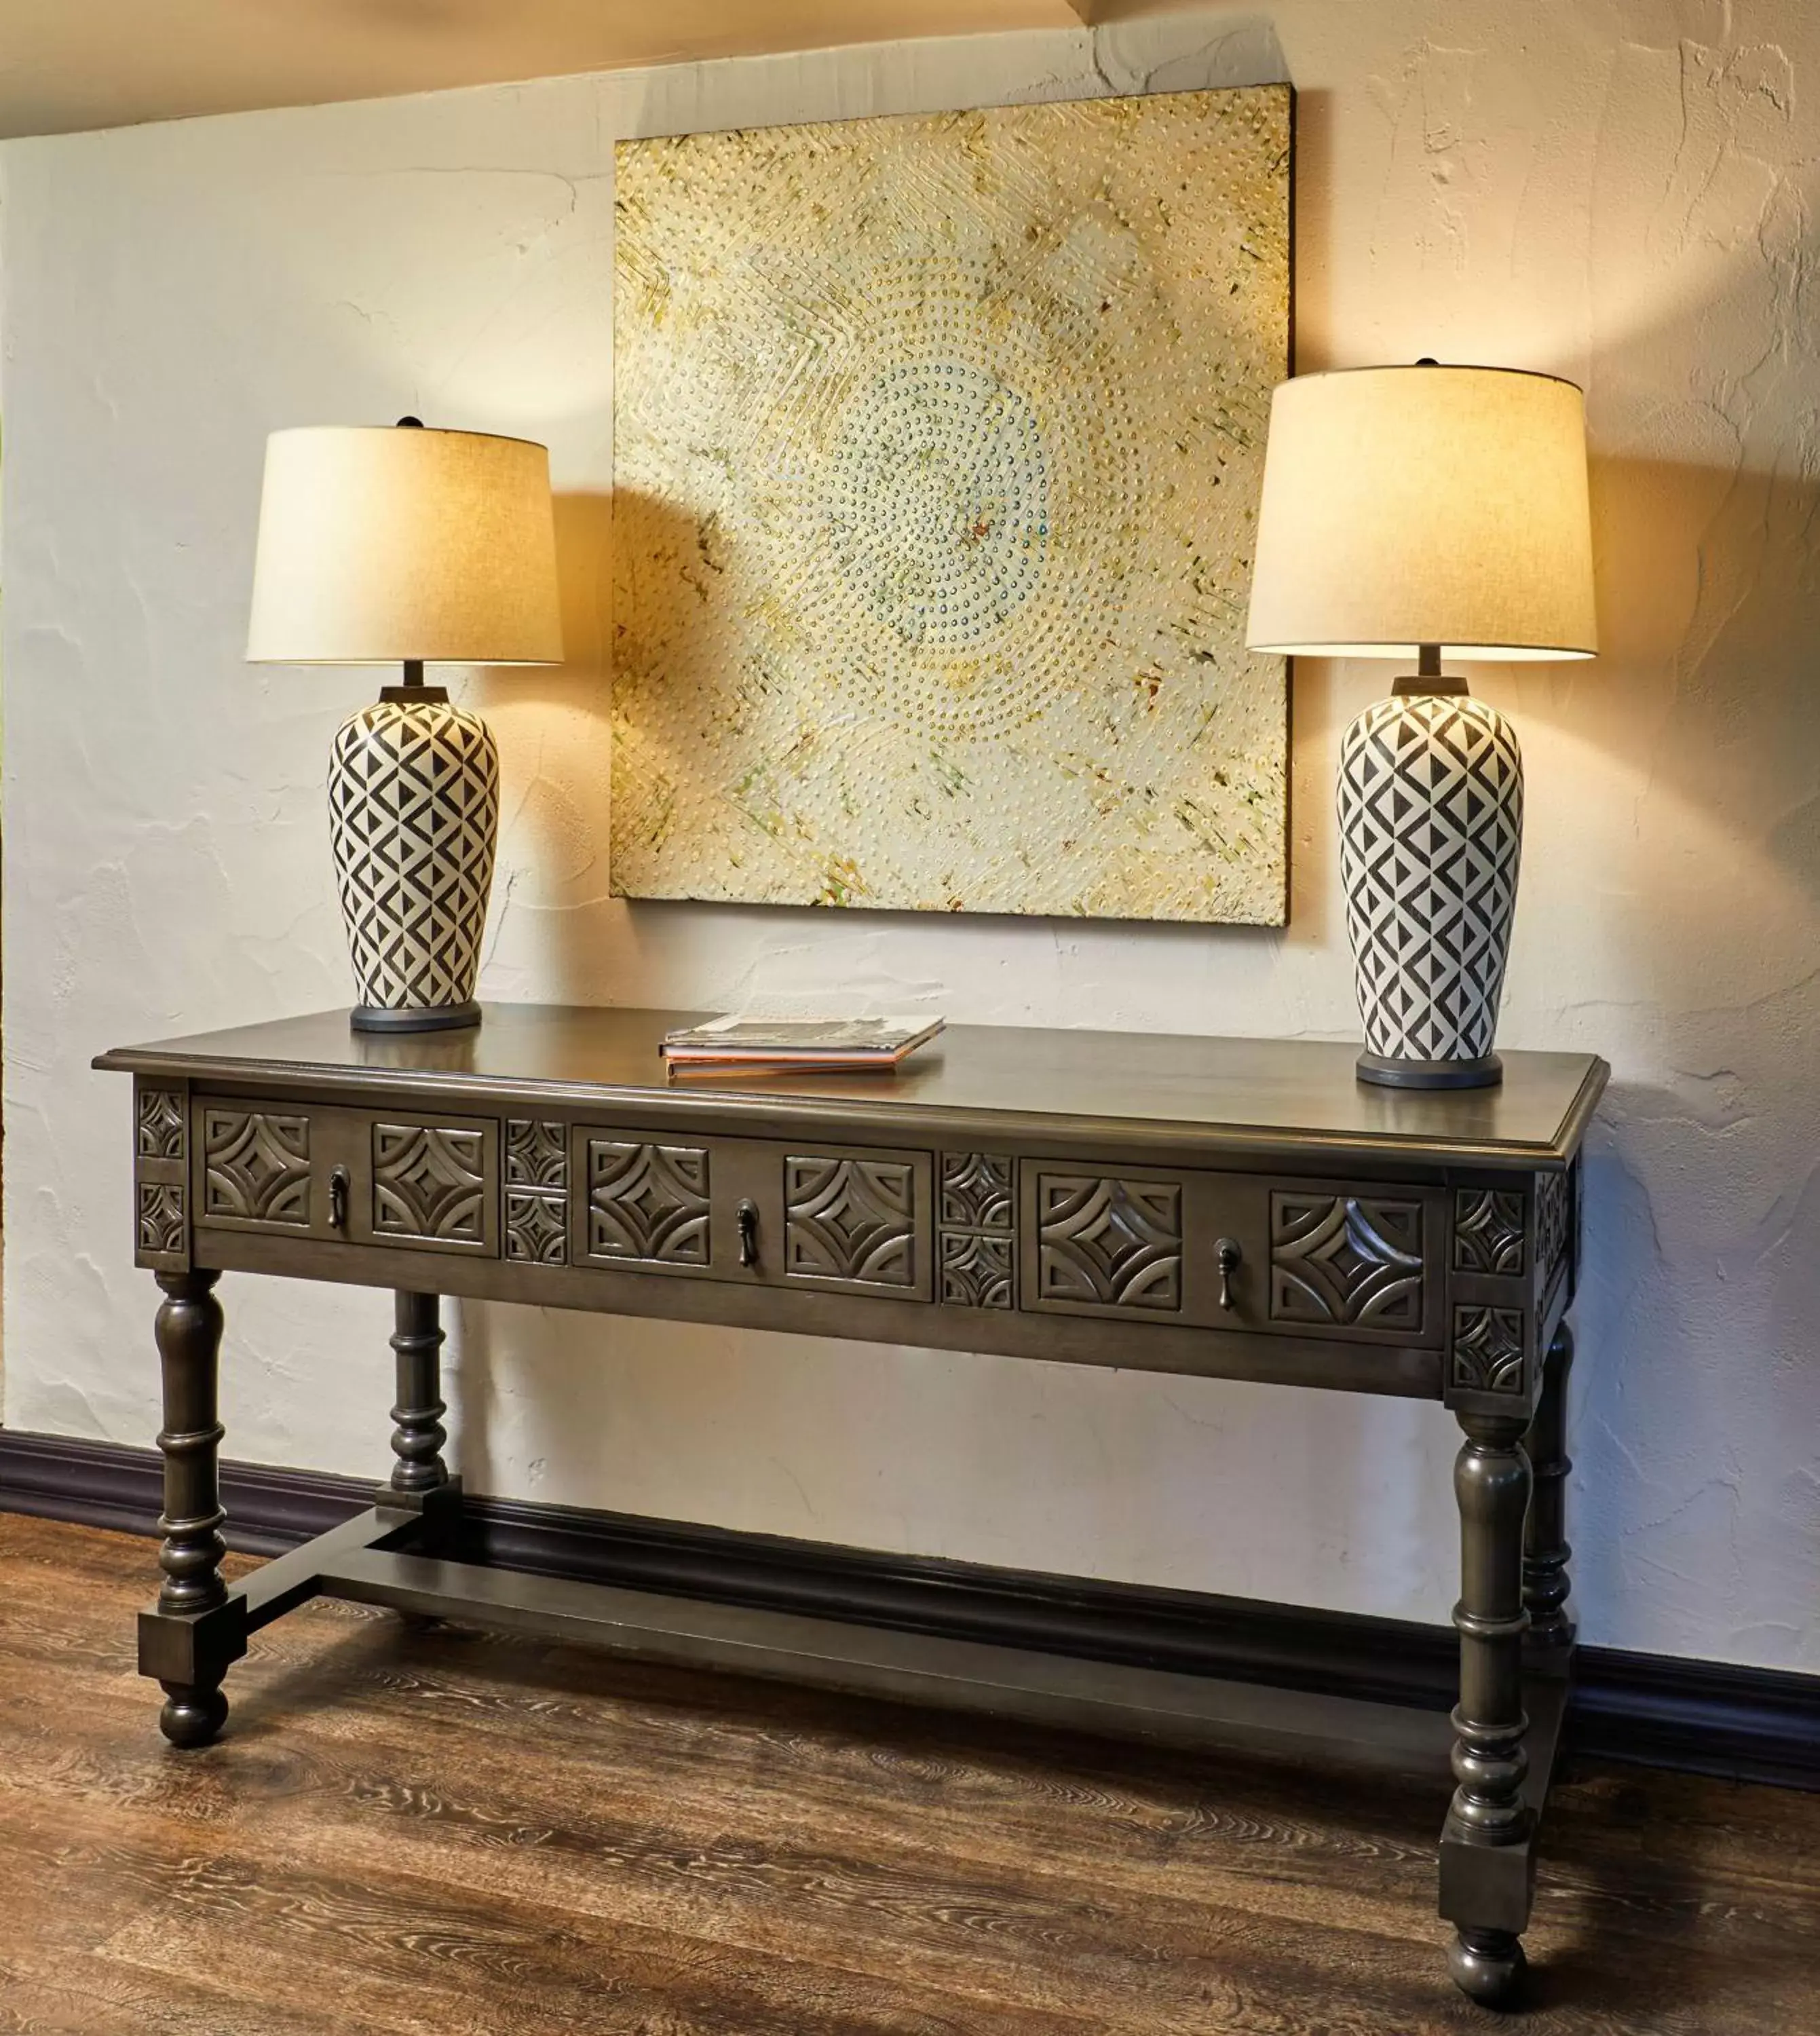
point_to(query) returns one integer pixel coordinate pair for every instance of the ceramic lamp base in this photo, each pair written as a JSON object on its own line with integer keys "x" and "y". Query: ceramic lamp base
{"x": 414, "y": 817}
{"x": 1430, "y": 840}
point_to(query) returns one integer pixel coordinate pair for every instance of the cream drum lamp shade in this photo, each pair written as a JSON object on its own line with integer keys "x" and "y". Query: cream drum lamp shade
{"x": 1427, "y": 512}
{"x": 401, "y": 545}
{"x": 384, "y": 544}
{"x": 1406, "y": 506}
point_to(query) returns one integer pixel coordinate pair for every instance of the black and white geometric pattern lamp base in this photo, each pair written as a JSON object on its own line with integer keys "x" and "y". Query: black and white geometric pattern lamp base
{"x": 414, "y": 815}
{"x": 1430, "y": 839}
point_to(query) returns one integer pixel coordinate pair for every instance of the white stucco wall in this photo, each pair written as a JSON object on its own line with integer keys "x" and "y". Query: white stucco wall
{"x": 1617, "y": 189}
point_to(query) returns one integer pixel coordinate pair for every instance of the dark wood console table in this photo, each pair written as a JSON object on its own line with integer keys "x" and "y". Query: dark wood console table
{"x": 1230, "y": 1208}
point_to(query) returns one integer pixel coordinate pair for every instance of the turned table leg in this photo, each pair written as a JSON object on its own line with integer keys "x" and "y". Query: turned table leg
{"x": 1545, "y": 1551}
{"x": 418, "y": 1434}
{"x": 189, "y": 1332}
{"x": 1486, "y": 1880}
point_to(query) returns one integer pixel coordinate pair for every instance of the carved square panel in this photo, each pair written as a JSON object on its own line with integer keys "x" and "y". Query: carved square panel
{"x": 537, "y": 1154}
{"x": 160, "y": 1124}
{"x": 1108, "y": 1242}
{"x": 975, "y": 1191}
{"x": 1345, "y": 1261}
{"x": 1489, "y": 1231}
{"x": 429, "y": 1183}
{"x": 256, "y": 1167}
{"x": 647, "y": 1201}
{"x": 160, "y": 1217}
{"x": 536, "y": 1227}
{"x": 976, "y": 1268}
{"x": 852, "y": 1220}
{"x": 1554, "y": 1222}
{"x": 1488, "y": 1348}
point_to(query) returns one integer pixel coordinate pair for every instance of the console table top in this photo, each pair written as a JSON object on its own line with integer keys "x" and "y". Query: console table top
{"x": 1299, "y": 1094}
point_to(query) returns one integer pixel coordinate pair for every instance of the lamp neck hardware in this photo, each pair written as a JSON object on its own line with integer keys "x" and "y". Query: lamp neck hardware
{"x": 413, "y": 666}
{"x": 1429, "y": 679}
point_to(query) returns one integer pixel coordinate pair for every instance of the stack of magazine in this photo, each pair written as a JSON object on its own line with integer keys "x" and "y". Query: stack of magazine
{"x": 738, "y": 1044}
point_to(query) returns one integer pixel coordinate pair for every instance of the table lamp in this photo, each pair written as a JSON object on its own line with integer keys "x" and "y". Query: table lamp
{"x": 1423, "y": 512}
{"x": 397, "y": 544}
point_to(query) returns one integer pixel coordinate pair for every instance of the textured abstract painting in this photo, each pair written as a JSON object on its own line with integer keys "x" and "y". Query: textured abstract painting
{"x": 938, "y": 442}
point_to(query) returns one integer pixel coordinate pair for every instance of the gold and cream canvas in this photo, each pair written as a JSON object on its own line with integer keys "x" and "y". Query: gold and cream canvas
{"x": 938, "y": 443}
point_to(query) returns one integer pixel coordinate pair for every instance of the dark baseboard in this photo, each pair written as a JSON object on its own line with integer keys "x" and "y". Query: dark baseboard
{"x": 1703, "y": 1717}
{"x": 107, "y": 1485}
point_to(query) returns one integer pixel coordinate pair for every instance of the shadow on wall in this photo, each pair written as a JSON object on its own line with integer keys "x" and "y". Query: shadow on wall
{"x": 1702, "y": 876}
{"x": 1709, "y": 610}
{"x": 553, "y": 861}
{"x": 664, "y": 559}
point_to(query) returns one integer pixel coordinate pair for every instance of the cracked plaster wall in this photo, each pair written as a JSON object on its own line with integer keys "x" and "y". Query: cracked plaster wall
{"x": 1620, "y": 191}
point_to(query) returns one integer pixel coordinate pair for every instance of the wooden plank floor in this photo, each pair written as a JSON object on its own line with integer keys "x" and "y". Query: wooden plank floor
{"x": 433, "y": 1830}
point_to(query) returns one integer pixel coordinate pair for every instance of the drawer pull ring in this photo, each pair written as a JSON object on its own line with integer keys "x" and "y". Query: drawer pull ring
{"x": 748, "y": 1217}
{"x": 1226, "y": 1255}
{"x": 338, "y": 1199}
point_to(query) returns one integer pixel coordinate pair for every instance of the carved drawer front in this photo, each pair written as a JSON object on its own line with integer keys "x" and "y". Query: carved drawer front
{"x": 258, "y": 1166}
{"x": 428, "y": 1183}
{"x": 859, "y": 1222}
{"x": 646, "y": 1204}
{"x": 1192, "y": 1248}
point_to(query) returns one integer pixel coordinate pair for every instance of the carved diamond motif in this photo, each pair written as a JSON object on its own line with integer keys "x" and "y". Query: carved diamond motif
{"x": 647, "y": 1201}
{"x": 256, "y": 1167}
{"x": 537, "y": 1154}
{"x": 1554, "y": 1222}
{"x": 976, "y": 1269}
{"x": 160, "y": 1130}
{"x": 1488, "y": 1230}
{"x": 975, "y": 1191}
{"x": 1115, "y": 1243}
{"x": 536, "y": 1227}
{"x": 1488, "y": 1348}
{"x": 1349, "y": 1260}
{"x": 850, "y": 1219}
{"x": 427, "y": 1182}
{"x": 160, "y": 1216}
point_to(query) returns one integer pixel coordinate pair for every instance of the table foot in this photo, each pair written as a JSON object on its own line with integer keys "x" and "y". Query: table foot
{"x": 1488, "y": 1966}
{"x": 193, "y": 1713}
